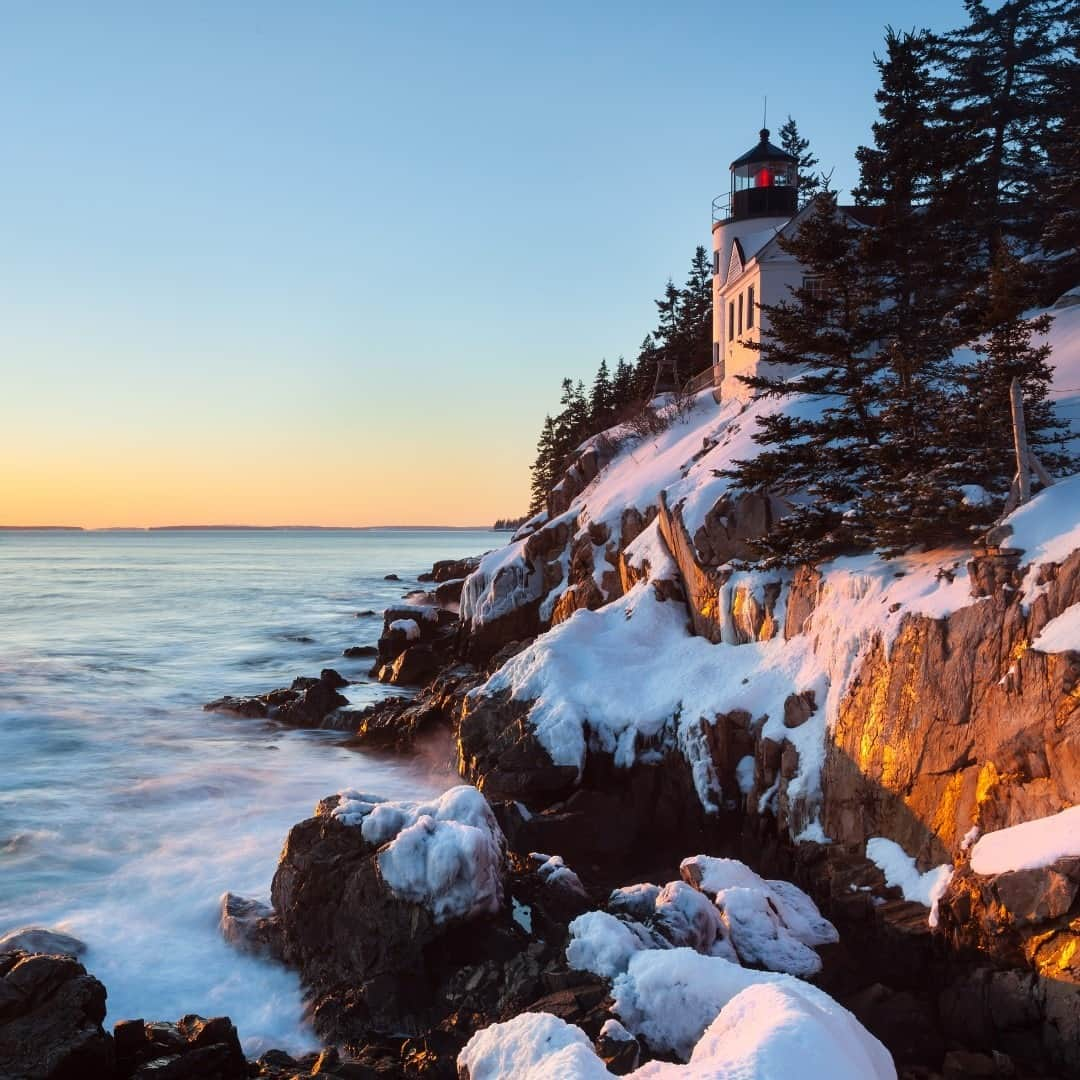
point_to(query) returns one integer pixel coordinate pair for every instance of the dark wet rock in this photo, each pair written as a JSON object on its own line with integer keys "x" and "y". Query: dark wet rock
{"x": 51, "y": 1012}
{"x": 250, "y": 925}
{"x": 39, "y": 939}
{"x": 193, "y": 1048}
{"x": 359, "y": 652}
{"x": 902, "y": 1021}
{"x": 500, "y": 753}
{"x": 391, "y": 577}
{"x": 306, "y": 703}
{"x": 449, "y": 592}
{"x": 396, "y": 723}
{"x": 413, "y": 666}
{"x": 450, "y": 570}
{"x": 620, "y": 1055}
{"x": 367, "y": 613}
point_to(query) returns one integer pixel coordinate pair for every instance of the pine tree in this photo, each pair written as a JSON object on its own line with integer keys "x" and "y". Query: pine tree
{"x": 791, "y": 142}
{"x": 1059, "y": 188}
{"x": 906, "y": 497}
{"x": 622, "y": 385}
{"x": 543, "y": 468}
{"x": 992, "y": 97}
{"x": 645, "y": 368}
{"x": 694, "y": 317}
{"x": 600, "y": 398}
{"x": 1004, "y": 354}
{"x": 820, "y": 343}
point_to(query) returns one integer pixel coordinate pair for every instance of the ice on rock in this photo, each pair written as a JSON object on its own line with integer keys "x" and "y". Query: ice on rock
{"x": 603, "y": 944}
{"x": 447, "y": 854}
{"x": 554, "y": 871}
{"x": 409, "y": 627}
{"x": 637, "y": 901}
{"x": 531, "y": 1046}
{"x": 771, "y": 1032}
{"x": 670, "y": 999}
{"x": 687, "y": 917}
{"x": 771, "y": 923}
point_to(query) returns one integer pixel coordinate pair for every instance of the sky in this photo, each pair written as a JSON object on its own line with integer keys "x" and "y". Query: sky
{"x": 267, "y": 263}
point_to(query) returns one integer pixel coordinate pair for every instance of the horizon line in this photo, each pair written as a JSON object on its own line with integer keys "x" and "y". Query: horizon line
{"x": 246, "y": 528}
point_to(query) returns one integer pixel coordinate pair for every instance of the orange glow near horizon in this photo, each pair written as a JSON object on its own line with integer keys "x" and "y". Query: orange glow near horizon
{"x": 106, "y": 487}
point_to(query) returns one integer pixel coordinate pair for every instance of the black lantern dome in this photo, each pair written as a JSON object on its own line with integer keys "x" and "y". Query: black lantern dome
{"x": 764, "y": 182}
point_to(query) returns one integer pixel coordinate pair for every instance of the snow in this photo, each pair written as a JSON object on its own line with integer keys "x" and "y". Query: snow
{"x": 770, "y": 923}
{"x": 446, "y": 854}
{"x": 771, "y": 1032}
{"x": 409, "y": 627}
{"x": 532, "y": 1046}
{"x": 603, "y": 944}
{"x": 1029, "y": 845}
{"x": 1060, "y": 634}
{"x": 553, "y": 870}
{"x": 759, "y": 1031}
{"x": 648, "y": 554}
{"x": 1047, "y": 528}
{"x": 901, "y": 872}
{"x": 670, "y": 998}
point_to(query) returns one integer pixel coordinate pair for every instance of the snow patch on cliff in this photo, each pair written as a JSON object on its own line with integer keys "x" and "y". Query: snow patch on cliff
{"x": 1029, "y": 845}
{"x": 902, "y": 873}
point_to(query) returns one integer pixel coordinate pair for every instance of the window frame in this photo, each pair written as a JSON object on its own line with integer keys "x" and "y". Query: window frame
{"x": 750, "y": 307}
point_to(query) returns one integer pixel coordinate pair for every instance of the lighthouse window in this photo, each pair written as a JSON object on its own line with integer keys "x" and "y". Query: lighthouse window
{"x": 749, "y": 307}
{"x": 716, "y": 262}
{"x": 716, "y": 353}
{"x": 740, "y": 313}
{"x": 731, "y": 320}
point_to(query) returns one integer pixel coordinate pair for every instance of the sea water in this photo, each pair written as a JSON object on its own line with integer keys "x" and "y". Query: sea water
{"x": 125, "y": 809}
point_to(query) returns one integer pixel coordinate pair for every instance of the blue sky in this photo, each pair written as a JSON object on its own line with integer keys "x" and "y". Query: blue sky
{"x": 328, "y": 262}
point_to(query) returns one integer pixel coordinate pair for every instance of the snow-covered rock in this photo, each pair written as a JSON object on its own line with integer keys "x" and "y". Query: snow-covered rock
{"x": 1030, "y": 845}
{"x": 447, "y": 854}
{"x": 899, "y": 868}
{"x": 531, "y": 1046}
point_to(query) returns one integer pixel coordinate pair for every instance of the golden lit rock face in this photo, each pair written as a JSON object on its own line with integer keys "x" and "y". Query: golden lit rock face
{"x": 962, "y": 724}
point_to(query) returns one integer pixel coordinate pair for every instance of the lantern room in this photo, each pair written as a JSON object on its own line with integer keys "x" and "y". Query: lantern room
{"x": 764, "y": 182}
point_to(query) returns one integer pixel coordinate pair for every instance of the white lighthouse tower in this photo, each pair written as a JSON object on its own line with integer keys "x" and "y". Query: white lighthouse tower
{"x": 762, "y": 199}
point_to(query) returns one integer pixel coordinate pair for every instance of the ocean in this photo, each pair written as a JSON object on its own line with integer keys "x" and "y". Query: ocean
{"x": 125, "y": 809}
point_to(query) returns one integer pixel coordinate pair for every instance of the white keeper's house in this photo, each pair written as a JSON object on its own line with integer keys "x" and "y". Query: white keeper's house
{"x": 749, "y": 266}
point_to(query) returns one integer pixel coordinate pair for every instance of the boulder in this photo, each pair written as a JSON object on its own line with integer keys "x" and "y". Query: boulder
{"x": 51, "y": 1012}
{"x": 359, "y": 652}
{"x": 366, "y": 888}
{"x": 412, "y": 666}
{"x": 306, "y": 703}
{"x": 250, "y": 925}
{"x": 193, "y": 1048}
{"x": 38, "y": 939}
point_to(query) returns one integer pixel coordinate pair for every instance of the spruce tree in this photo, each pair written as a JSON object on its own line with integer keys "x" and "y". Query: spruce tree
{"x": 906, "y": 497}
{"x": 645, "y": 368}
{"x": 1007, "y": 352}
{"x": 791, "y": 142}
{"x": 992, "y": 97}
{"x": 622, "y": 385}
{"x": 600, "y": 398}
{"x": 543, "y": 468}
{"x": 694, "y": 316}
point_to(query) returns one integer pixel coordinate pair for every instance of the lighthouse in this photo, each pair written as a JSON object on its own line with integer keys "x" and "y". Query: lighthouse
{"x": 762, "y": 200}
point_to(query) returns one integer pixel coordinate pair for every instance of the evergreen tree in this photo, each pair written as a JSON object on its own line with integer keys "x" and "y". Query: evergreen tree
{"x": 622, "y": 385}
{"x": 645, "y": 368}
{"x": 791, "y": 142}
{"x": 600, "y": 398}
{"x": 1059, "y": 188}
{"x": 1006, "y": 353}
{"x": 543, "y": 468}
{"x": 906, "y": 498}
{"x": 820, "y": 343}
{"x": 992, "y": 97}
{"x": 694, "y": 316}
